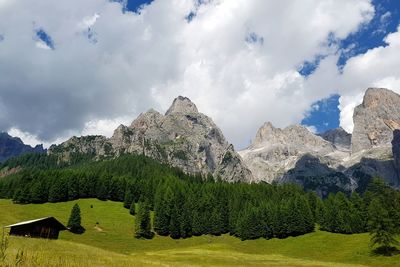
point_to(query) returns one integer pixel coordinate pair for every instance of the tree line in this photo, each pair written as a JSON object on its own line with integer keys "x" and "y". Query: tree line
{"x": 191, "y": 205}
{"x": 183, "y": 205}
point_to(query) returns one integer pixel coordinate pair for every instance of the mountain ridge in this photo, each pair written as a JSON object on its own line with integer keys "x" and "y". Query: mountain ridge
{"x": 183, "y": 137}
{"x": 13, "y": 146}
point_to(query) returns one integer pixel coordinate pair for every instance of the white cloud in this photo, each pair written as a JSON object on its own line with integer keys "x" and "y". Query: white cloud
{"x": 138, "y": 61}
{"x": 311, "y": 128}
{"x": 378, "y": 67}
{"x": 41, "y": 44}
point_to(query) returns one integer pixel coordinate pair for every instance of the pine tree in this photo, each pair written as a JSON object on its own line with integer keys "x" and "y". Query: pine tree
{"x": 73, "y": 188}
{"x": 186, "y": 217}
{"x": 162, "y": 210}
{"x": 128, "y": 198}
{"x": 174, "y": 224}
{"x": 250, "y": 224}
{"x": 381, "y": 226}
{"x": 320, "y": 214}
{"x": 132, "y": 209}
{"x": 58, "y": 190}
{"x": 74, "y": 222}
{"x": 143, "y": 221}
{"x": 38, "y": 193}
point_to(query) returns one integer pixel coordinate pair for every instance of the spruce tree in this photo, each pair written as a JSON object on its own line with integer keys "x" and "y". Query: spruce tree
{"x": 186, "y": 217}
{"x": 143, "y": 221}
{"x": 74, "y": 222}
{"x": 381, "y": 226}
{"x": 128, "y": 198}
{"x": 174, "y": 224}
{"x": 250, "y": 224}
{"x": 162, "y": 210}
{"x": 132, "y": 209}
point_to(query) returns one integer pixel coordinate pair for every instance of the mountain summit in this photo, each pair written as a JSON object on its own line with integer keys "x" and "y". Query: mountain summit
{"x": 182, "y": 105}
{"x": 183, "y": 137}
{"x": 334, "y": 160}
{"x": 375, "y": 119}
{"x": 13, "y": 146}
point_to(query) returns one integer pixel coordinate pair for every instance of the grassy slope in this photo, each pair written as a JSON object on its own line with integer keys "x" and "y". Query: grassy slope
{"x": 114, "y": 244}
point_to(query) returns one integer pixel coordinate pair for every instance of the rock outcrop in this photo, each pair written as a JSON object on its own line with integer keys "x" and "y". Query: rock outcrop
{"x": 182, "y": 137}
{"x": 334, "y": 159}
{"x": 314, "y": 175}
{"x": 338, "y": 137}
{"x": 13, "y": 147}
{"x": 375, "y": 119}
{"x": 274, "y": 151}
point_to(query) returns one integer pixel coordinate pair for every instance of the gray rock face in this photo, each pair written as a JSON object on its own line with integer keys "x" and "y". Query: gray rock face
{"x": 375, "y": 119}
{"x": 182, "y": 137}
{"x": 312, "y": 174}
{"x": 274, "y": 151}
{"x": 339, "y": 138}
{"x": 396, "y": 151}
{"x": 13, "y": 147}
{"x": 327, "y": 162}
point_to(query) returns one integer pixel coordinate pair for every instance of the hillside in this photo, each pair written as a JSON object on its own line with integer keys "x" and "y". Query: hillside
{"x": 112, "y": 243}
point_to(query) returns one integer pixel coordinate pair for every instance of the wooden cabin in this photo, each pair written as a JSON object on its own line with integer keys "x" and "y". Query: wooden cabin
{"x": 48, "y": 227}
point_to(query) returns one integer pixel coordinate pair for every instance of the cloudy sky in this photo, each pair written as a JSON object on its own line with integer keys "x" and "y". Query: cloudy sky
{"x": 83, "y": 67}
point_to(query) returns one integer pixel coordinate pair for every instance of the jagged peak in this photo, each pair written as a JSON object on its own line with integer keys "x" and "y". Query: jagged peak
{"x": 268, "y": 133}
{"x": 297, "y": 127}
{"x": 373, "y": 96}
{"x": 335, "y": 130}
{"x": 183, "y": 105}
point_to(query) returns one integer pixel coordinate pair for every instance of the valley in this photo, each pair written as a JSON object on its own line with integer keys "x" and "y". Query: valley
{"x": 116, "y": 246}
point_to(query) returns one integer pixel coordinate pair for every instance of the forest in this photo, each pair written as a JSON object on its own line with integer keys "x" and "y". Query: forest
{"x": 192, "y": 205}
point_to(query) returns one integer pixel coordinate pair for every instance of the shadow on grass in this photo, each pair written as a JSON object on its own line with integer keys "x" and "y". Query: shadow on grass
{"x": 385, "y": 251}
{"x": 77, "y": 230}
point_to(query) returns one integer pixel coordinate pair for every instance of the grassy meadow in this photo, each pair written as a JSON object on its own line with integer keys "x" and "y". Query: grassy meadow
{"x": 109, "y": 241}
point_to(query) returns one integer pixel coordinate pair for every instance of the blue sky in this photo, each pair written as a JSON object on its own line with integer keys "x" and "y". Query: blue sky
{"x": 238, "y": 61}
{"x": 133, "y": 5}
{"x": 324, "y": 114}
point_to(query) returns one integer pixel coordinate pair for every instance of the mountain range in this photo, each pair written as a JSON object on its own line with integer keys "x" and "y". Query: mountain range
{"x": 327, "y": 162}
{"x": 13, "y": 146}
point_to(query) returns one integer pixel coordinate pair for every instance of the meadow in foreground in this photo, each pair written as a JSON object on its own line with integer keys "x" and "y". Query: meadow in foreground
{"x": 109, "y": 241}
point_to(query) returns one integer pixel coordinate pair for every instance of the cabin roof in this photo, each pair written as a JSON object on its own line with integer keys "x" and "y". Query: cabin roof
{"x": 61, "y": 226}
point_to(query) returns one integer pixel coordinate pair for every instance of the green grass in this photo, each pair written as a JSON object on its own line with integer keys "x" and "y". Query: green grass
{"x": 114, "y": 245}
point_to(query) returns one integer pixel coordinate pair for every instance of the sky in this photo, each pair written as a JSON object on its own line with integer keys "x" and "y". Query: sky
{"x": 84, "y": 67}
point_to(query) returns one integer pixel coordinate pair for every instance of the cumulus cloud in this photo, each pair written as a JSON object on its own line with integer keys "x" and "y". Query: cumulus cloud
{"x": 237, "y": 60}
{"x": 378, "y": 67}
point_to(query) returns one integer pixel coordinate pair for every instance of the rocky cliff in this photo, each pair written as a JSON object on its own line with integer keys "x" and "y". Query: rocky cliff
{"x": 13, "y": 146}
{"x": 335, "y": 159}
{"x": 274, "y": 151}
{"x": 375, "y": 119}
{"x": 339, "y": 138}
{"x": 183, "y": 137}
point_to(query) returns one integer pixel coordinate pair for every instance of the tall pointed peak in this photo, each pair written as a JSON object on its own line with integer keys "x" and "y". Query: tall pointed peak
{"x": 182, "y": 105}
{"x": 265, "y": 131}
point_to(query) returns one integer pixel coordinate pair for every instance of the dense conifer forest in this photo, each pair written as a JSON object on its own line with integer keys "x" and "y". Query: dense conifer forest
{"x": 186, "y": 205}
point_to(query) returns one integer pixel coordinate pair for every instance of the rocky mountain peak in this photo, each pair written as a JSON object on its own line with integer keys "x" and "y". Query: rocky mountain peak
{"x": 182, "y": 137}
{"x": 375, "y": 119}
{"x": 182, "y": 105}
{"x": 13, "y": 146}
{"x": 275, "y": 150}
{"x": 265, "y": 131}
{"x": 338, "y": 137}
{"x": 293, "y": 134}
{"x": 375, "y": 96}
